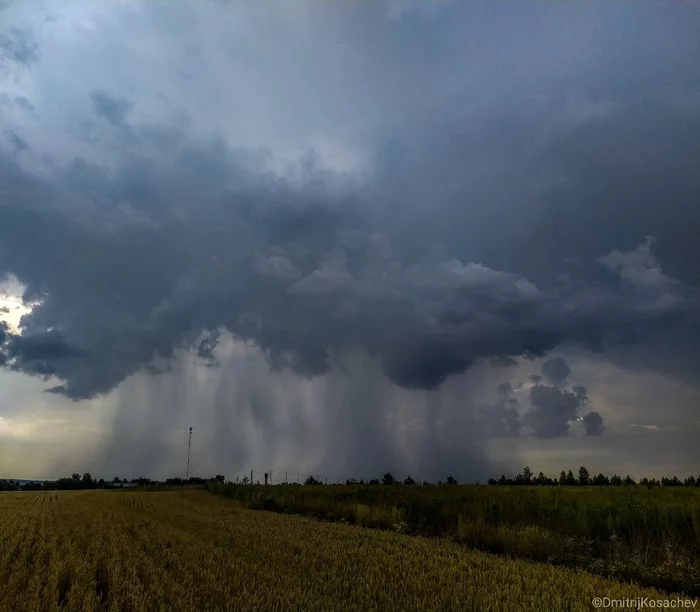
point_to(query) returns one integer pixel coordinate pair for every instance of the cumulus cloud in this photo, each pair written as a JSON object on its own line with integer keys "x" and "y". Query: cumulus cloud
{"x": 551, "y": 409}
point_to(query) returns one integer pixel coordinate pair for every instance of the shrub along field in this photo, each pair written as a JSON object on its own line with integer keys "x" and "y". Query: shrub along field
{"x": 632, "y": 533}
{"x": 187, "y": 550}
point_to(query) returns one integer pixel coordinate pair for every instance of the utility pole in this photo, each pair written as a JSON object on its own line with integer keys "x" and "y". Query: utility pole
{"x": 297, "y": 477}
{"x": 285, "y": 478}
{"x": 189, "y": 445}
{"x": 251, "y": 476}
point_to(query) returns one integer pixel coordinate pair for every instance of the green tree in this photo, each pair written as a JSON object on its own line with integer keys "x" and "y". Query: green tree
{"x": 541, "y": 480}
{"x": 584, "y": 478}
{"x": 388, "y": 479}
{"x": 451, "y": 480}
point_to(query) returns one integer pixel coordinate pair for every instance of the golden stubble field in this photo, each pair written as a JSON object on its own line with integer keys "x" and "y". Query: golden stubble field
{"x": 188, "y": 550}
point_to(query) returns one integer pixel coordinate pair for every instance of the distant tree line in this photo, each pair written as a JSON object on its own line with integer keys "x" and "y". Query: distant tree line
{"x": 584, "y": 478}
{"x": 86, "y": 481}
{"x": 387, "y": 479}
{"x": 526, "y": 477}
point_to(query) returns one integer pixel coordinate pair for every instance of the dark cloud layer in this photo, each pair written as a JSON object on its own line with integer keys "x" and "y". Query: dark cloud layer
{"x": 134, "y": 263}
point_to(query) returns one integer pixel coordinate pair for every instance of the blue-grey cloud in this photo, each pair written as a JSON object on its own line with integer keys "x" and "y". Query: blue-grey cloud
{"x": 113, "y": 110}
{"x": 17, "y": 47}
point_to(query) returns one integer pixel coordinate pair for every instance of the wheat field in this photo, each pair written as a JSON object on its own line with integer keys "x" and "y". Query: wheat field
{"x": 188, "y": 550}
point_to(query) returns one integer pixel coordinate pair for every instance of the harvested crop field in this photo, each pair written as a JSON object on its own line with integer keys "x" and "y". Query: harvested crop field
{"x": 188, "y": 550}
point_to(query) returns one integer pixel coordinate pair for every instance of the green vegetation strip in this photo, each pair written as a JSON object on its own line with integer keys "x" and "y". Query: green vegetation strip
{"x": 651, "y": 537}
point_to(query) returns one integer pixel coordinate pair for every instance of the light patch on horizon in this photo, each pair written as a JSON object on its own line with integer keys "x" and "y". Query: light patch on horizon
{"x": 639, "y": 439}
{"x": 44, "y": 435}
{"x": 654, "y": 427}
{"x": 625, "y": 397}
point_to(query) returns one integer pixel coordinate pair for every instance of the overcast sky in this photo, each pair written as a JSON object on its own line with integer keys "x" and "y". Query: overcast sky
{"x": 344, "y": 238}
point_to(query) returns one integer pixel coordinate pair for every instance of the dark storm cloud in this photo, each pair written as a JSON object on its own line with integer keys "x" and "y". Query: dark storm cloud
{"x": 128, "y": 269}
{"x": 579, "y": 157}
{"x": 38, "y": 352}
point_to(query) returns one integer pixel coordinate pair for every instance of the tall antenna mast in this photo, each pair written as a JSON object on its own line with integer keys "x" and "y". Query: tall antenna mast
{"x": 189, "y": 445}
